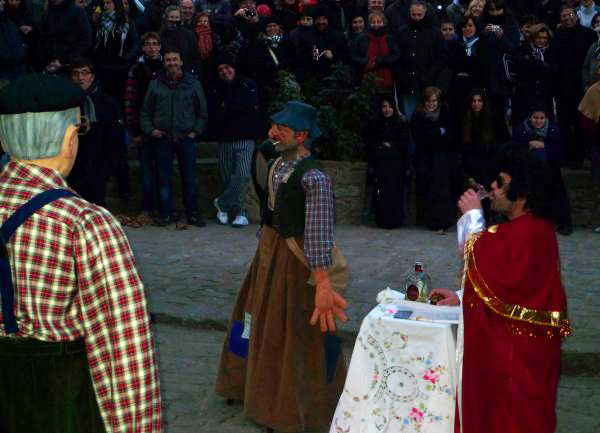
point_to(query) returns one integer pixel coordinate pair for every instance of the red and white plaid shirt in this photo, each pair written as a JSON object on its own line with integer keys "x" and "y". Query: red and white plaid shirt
{"x": 74, "y": 277}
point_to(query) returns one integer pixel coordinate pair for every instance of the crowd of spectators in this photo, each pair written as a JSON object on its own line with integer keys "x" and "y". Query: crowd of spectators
{"x": 454, "y": 81}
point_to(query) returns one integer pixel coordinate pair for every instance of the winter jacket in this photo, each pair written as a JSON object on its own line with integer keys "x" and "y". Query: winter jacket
{"x": 323, "y": 40}
{"x": 186, "y": 42}
{"x": 468, "y": 71}
{"x": 552, "y": 141}
{"x": 420, "y": 60}
{"x": 398, "y": 14}
{"x": 456, "y": 11}
{"x": 138, "y": 80}
{"x": 65, "y": 33}
{"x": 391, "y": 130}
{"x": 431, "y": 135}
{"x": 115, "y": 52}
{"x": 590, "y": 65}
{"x": 236, "y": 115}
{"x": 572, "y": 46}
{"x": 177, "y": 107}
{"x": 261, "y": 62}
{"x": 219, "y": 10}
{"x": 495, "y": 48}
{"x": 359, "y": 53}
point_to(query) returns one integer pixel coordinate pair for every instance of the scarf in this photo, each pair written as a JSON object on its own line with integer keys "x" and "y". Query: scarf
{"x": 538, "y": 53}
{"x": 540, "y": 132}
{"x": 378, "y": 47}
{"x": 89, "y": 109}
{"x": 432, "y": 116}
{"x": 108, "y": 27}
{"x": 205, "y": 41}
{"x": 273, "y": 41}
{"x": 469, "y": 42}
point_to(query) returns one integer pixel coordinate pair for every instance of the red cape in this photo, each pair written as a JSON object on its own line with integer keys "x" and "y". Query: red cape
{"x": 514, "y": 318}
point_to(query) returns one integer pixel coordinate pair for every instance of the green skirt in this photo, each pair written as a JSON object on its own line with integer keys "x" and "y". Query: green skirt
{"x": 46, "y": 388}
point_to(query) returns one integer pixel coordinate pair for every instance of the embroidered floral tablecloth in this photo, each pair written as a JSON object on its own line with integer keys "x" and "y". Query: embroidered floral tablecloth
{"x": 402, "y": 377}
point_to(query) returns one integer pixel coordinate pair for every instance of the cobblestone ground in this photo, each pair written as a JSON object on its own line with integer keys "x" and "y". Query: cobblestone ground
{"x": 188, "y": 364}
{"x": 192, "y": 277}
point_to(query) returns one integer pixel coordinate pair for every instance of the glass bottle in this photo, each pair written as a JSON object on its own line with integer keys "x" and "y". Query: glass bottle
{"x": 417, "y": 284}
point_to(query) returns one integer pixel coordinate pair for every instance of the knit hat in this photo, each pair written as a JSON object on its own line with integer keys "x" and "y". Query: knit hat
{"x": 298, "y": 116}
{"x": 37, "y": 93}
{"x": 263, "y": 10}
{"x": 269, "y": 20}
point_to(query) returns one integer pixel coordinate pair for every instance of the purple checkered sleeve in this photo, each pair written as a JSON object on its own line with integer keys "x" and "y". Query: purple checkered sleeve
{"x": 318, "y": 227}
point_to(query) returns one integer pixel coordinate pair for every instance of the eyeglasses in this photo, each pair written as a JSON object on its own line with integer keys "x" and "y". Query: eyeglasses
{"x": 84, "y": 125}
{"x": 81, "y": 73}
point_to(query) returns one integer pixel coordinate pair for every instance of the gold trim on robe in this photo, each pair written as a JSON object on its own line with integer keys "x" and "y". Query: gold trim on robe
{"x": 555, "y": 319}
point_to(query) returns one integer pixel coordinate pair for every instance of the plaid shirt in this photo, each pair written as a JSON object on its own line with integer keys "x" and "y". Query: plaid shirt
{"x": 74, "y": 277}
{"x": 319, "y": 214}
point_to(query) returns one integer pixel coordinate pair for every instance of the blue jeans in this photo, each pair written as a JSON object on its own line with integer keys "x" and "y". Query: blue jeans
{"x": 185, "y": 150}
{"x": 147, "y": 152}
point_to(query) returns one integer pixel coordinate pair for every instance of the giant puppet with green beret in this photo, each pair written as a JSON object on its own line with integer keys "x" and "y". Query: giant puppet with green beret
{"x": 281, "y": 356}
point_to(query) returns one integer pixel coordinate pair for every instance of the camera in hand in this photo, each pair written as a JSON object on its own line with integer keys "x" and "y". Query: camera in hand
{"x": 250, "y": 13}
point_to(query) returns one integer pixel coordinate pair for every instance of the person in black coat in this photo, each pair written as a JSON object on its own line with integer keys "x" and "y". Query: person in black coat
{"x": 536, "y": 65}
{"x": 65, "y": 34}
{"x": 420, "y": 60}
{"x": 98, "y": 148}
{"x": 542, "y": 137}
{"x": 172, "y": 35}
{"x": 438, "y": 182}
{"x": 20, "y": 14}
{"x": 12, "y": 49}
{"x": 288, "y": 12}
{"x": 398, "y": 13}
{"x": 466, "y": 60}
{"x": 376, "y": 51}
{"x": 387, "y": 143}
{"x": 572, "y": 42}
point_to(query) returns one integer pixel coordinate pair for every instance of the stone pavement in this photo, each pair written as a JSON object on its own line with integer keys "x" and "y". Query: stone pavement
{"x": 192, "y": 277}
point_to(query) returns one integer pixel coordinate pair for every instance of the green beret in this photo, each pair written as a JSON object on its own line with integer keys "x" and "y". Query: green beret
{"x": 37, "y": 93}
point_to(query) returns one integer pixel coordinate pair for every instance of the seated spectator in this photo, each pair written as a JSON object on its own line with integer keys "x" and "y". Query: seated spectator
{"x": 586, "y": 12}
{"x": 174, "y": 114}
{"x": 116, "y": 45}
{"x": 219, "y": 11}
{"x": 481, "y": 133}
{"x": 593, "y": 57}
{"x": 288, "y": 12}
{"x": 65, "y": 34}
{"x": 99, "y": 148}
{"x": 466, "y": 60}
{"x": 542, "y": 138}
{"x": 147, "y": 68}
{"x": 236, "y": 118}
{"x": 188, "y": 14}
{"x": 438, "y": 184}
{"x": 12, "y": 48}
{"x": 376, "y": 52}
{"x": 181, "y": 39}
{"x": 386, "y": 137}
{"x": 536, "y": 65}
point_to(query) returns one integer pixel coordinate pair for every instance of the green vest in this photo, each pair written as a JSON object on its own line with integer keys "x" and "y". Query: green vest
{"x": 290, "y": 202}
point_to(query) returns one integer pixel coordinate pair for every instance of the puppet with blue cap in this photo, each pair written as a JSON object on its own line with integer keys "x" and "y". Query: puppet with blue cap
{"x": 273, "y": 352}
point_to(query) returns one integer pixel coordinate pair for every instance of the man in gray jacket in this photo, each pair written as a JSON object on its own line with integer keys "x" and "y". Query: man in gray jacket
{"x": 174, "y": 114}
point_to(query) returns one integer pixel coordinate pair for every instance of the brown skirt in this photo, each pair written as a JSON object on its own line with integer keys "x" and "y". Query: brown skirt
{"x": 282, "y": 379}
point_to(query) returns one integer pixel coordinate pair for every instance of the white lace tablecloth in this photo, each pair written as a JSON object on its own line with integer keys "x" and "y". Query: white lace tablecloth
{"x": 402, "y": 377}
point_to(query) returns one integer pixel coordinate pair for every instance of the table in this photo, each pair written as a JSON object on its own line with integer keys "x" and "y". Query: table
{"x": 402, "y": 377}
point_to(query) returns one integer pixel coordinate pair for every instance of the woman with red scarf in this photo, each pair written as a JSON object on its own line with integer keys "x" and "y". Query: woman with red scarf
{"x": 376, "y": 51}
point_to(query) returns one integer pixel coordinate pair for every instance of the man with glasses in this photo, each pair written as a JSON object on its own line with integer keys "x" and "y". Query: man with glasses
{"x": 514, "y": 308}
{"x": 76, "y": 350}
{"x": 102, "y": 147}
{"x": 148, "y": 67}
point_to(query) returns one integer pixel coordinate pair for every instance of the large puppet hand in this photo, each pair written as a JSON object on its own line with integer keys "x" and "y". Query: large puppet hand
{"x": 328, "y": 303}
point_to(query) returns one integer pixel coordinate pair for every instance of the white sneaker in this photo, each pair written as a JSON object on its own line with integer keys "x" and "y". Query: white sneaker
{"x": 221, "y": 216}
{"x": 240, "y": 221}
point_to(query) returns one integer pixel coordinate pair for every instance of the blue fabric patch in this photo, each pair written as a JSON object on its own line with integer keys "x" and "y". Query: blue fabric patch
{"x": 238, "y": 345}
{"x": 333, "y": 345}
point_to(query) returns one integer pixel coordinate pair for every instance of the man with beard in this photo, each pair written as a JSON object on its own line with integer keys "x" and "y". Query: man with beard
{"x": 65, "y": 34}
{"x": 174, "y": 114}
{"x": 289, "y": 373}
{"x": 572, "y": 42}
{"x": 514, "y": 304}
{"x": 322, "y": 47}
{"x": 140, "y": 75}
{"x": 188, "y": 14}
{"x": 420, "y": 60}
{"x": 100, "y": 146}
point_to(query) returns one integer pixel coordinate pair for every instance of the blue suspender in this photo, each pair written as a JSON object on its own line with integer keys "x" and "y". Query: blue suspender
{"x": 6, "y": 231}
